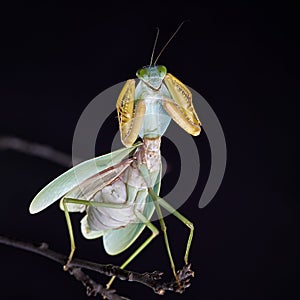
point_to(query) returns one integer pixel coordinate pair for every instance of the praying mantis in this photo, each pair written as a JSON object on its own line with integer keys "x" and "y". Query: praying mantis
{"x": 120, "y": 195}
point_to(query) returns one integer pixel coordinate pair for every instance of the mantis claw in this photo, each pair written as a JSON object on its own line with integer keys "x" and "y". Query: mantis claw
{"x": 185, "y": 273}
{"x": 66, "y": 266}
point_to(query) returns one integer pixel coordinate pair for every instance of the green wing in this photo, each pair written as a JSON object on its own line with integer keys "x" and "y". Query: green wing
{"x": 117, "y": 241}
{"x": 74, "y": 176}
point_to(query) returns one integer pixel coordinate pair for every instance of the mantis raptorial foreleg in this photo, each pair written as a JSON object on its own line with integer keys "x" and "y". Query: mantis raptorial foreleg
{"x": 65, "y": 201}
{"x": 130, "y": 113}
{"x": 160, "y": 201}
{"x": 154, "y": 231}
{"x": 180, "y": 107}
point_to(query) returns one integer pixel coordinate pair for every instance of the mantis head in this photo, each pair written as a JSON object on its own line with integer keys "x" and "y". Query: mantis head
{"x": 152, "y": 75}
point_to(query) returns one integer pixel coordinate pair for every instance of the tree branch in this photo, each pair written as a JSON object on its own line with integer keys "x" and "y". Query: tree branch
{"x": 152, "y": 280}
{"x": 34, "y": 149}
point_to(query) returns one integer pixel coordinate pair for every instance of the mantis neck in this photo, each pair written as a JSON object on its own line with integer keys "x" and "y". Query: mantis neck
{"x": 150, "y": 154}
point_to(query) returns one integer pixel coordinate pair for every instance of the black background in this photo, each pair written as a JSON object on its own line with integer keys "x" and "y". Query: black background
{"x": 243, "y": 58}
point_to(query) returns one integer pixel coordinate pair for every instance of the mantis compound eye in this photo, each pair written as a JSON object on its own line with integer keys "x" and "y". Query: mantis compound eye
{"x": 162, "y": 71}
{"x": 142, "y": 73}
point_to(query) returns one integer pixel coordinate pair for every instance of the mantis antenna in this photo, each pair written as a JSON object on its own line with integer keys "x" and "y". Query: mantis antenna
{"x": 170, "y": 39}
{"x": 154, "y": 46}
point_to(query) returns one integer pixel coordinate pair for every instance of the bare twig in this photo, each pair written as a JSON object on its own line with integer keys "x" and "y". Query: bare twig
{"x": 34, "y": 149}
{"x": 152, "y": 280}
{"x": 93, "y": 288}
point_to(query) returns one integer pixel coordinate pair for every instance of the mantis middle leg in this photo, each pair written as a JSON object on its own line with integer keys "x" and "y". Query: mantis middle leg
{"x": 65, "y": 201}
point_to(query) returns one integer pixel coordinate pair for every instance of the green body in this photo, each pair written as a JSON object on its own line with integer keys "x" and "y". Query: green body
{"x": 119, "y": 191}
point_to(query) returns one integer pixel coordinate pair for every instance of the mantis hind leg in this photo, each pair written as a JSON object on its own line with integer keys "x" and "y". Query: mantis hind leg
{"x": 164, "y": 230}
{"x": 184, "y": 220}
{"x": 154, "y": 231}
{"x": 160, "y": 201}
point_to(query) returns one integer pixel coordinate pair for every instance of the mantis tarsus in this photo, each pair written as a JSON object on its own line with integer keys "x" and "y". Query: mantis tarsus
{"x": 120, "y": 195}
